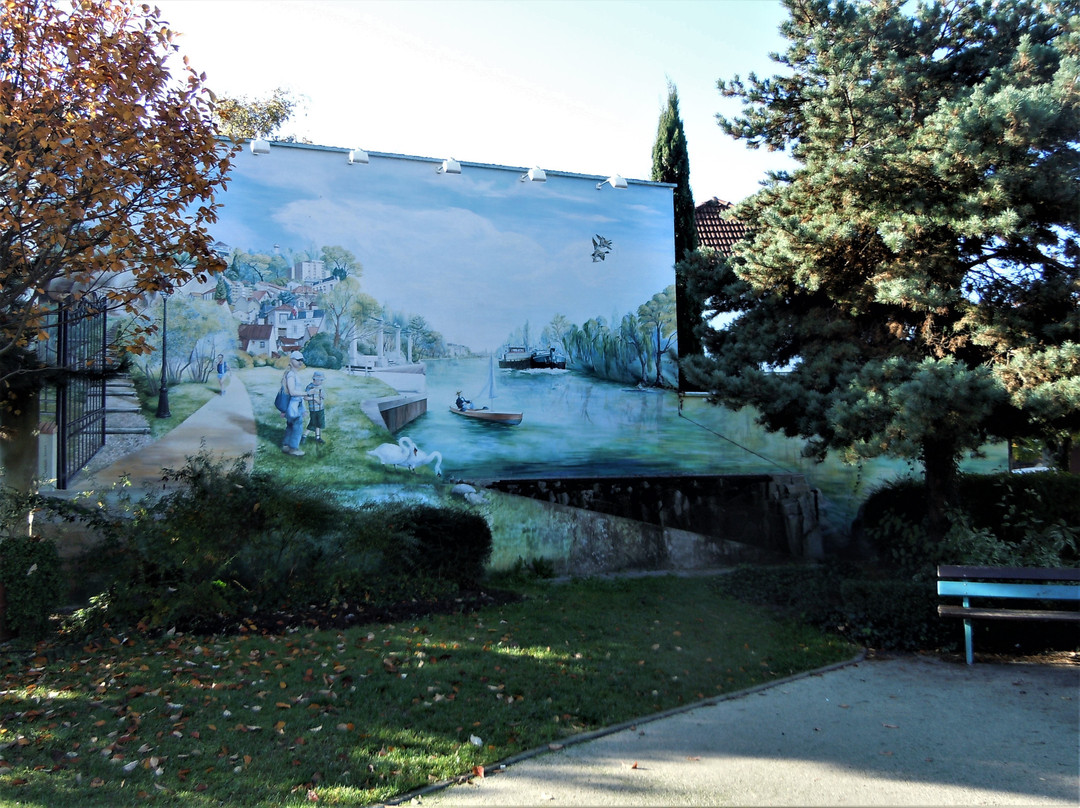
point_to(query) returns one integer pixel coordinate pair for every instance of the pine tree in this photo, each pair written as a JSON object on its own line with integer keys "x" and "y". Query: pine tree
{"x": 222, "y": 291}
{"x": 912, "y": 287}
{"x": 671, "y": 163}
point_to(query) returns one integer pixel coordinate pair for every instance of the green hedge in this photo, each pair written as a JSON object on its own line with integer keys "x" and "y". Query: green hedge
{"x": 227, "y": 543}
{"x": 30, "y": 574}
{"x": 441, "y": 543}
{"x": 30, "y": 568}
{"x": 1002, "y": 519}
{"x": 855, "y": 602}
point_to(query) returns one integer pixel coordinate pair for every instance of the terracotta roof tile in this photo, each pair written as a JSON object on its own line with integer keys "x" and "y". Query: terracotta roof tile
{"x": 714, "y": 227}
{"x": 250, "y": 331}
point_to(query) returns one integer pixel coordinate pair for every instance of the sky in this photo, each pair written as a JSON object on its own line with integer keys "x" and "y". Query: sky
{"x": 478, "y": 254}
{"x": 567, "y": 85}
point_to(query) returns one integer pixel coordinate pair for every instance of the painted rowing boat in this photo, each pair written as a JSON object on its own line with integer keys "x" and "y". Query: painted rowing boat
{"x": 493, "y": 416}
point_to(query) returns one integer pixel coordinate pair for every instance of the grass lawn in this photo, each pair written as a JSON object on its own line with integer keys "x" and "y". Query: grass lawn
{"x": 361, "y": 715}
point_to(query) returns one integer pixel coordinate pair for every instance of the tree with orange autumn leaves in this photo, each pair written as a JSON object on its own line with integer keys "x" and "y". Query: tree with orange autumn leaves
{"x": 109, "y": 163}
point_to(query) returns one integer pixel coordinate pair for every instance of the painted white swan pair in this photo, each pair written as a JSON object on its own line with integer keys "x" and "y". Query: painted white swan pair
{"x": 405, "y": 453}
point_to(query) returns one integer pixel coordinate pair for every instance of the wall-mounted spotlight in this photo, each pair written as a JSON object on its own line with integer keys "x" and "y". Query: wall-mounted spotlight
{"x": 535, "y": 174}
{"x": 615, "y": 181}
{"x": 450, "y": 166}
{"x": 260, "y": 146}
{"x": 358, "y": 156}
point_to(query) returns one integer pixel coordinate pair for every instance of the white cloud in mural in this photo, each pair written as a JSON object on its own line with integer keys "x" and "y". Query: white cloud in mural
{"x": 472, "y": 279}
{"x": 477, "y": 254}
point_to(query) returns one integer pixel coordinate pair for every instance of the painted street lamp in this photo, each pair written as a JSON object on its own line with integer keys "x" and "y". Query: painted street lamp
{"x": 163, "y": 391}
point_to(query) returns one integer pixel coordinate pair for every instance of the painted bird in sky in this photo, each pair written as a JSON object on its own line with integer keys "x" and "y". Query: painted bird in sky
{"x": 601, "y": 247}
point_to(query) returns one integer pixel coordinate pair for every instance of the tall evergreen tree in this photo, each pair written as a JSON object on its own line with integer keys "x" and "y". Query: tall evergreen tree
{"x": 671, "y": 163}
{"x": 917, "y": 275}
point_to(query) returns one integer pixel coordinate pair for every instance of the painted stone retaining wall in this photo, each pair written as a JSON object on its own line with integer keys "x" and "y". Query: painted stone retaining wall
{"x": 586, "y": 526}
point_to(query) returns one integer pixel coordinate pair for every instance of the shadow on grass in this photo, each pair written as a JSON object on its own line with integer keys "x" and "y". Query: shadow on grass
{"x": 363, "y": 714}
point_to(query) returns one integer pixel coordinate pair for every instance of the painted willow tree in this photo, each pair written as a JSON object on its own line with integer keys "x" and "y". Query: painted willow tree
{"x": 108, "y": 169}
{"x": 912, "y": 287}
{"x": 671, "y": 163}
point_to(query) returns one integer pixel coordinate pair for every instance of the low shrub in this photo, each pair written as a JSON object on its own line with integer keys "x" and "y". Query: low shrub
{"x": 1003, "y": 519}
{"x": 320, "y": 352}
{"x": 30, "y": 575}
{"x": 226, "y": 544}
{"x": 538, "y": 568}
{"x": 893, "y": 614}
{"x": 443, "y": 543}
{"x": 857, "y": 603}
{"x": 809, "y": 593}
{"x": 30, "y": 570}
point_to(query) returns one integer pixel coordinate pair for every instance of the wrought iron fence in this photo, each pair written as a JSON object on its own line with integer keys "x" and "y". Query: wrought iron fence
{"x": 76, "y": 402}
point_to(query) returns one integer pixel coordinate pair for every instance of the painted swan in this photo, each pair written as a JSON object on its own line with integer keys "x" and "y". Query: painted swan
{"x": 395, "y": 454}
{"x": 422, "y": 458}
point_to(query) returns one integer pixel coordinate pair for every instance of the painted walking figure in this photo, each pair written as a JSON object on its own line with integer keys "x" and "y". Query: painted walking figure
{"x": 222, "y": 373}
{"x": 294, "y": 411}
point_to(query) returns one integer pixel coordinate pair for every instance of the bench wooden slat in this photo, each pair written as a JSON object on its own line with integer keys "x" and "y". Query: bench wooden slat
{"x": 983, "y": 589}
{"x": 1007, "y": 614}
{"x": 995, "y": 583}
{"x": 1018, "y": 573}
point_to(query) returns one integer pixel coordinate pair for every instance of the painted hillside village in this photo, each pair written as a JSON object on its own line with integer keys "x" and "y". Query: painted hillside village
{"x": 277, "y": 318}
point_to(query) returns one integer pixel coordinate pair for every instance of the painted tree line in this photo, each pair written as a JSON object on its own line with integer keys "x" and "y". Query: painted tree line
{"x": 640, "y": 347}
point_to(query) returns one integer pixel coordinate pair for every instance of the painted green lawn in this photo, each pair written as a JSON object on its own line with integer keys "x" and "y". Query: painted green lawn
{"x": 342, "y": 461}
{"x": 184, "y": 400}
{"x": 360, "y": 715}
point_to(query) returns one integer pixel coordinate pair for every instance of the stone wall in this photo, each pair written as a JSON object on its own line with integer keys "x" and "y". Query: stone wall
{"x": 584, "y": 542}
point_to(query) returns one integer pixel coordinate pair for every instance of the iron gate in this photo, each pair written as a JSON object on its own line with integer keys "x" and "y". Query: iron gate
{"x": 76, "y": 342}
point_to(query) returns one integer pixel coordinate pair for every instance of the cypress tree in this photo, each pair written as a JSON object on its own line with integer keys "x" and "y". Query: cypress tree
{"x": 671, "y": 163}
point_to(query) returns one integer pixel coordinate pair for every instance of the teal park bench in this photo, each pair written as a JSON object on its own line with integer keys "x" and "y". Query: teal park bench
{"x": 988, "y": 586}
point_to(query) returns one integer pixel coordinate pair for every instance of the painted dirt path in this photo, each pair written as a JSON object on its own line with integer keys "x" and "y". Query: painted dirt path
{"x": 225, "y": 425}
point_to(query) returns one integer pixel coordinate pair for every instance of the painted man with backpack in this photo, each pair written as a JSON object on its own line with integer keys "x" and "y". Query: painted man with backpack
{"x": 290, "y": 401}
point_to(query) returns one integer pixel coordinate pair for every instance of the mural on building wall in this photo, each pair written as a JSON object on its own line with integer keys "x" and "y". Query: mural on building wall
{"x": 480, "y": 321}
{"x": 470, "y": 325}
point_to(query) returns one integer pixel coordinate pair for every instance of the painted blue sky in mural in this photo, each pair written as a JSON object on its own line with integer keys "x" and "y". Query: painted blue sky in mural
{"x": 477, "y": 254}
